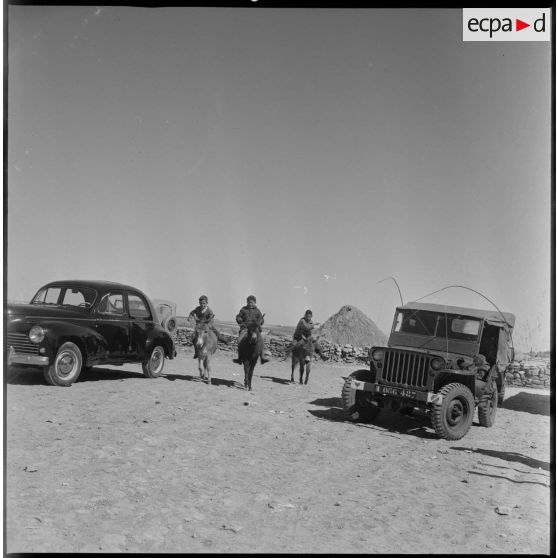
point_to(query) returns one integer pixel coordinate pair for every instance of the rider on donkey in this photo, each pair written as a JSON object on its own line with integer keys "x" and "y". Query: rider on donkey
{"x": 250, "y": 314}
{"x": 303, "y": 332}
{"x": 203, "y": 314}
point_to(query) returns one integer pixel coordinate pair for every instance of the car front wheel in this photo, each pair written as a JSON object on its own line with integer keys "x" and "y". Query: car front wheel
{"x": 66, "y": 368}
{"x": 153, "y": 366}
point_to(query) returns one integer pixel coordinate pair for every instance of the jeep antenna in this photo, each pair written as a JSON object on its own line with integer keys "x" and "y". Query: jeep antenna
{"x": 396, "y": 284}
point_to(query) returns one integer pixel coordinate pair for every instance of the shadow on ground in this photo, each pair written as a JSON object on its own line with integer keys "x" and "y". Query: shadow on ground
{"x": 387, "y": 421}
{"x": 510, "y": 456}
{"x": 276, "y": 380}
{"x": 534, "y": 403}
{"x": 214, "y": 381}
{"x": 29, "y": 375}
{"x": 25, "y": 376}
{"x": 515, "y": 481}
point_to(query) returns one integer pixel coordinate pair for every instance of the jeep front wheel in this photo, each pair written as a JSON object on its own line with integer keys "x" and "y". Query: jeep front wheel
{"x": 153, "y": 366}
{"x": 452, "y": 418}
{"x": 487, "y": 407}
{"x": 358, "y": 404}
{"x": 66, "y": 368}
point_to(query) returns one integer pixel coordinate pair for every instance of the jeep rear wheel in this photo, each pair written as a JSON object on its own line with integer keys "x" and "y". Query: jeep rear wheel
{"x": 502, "y": 393}
{"x": 153, "y": 366}
{"x": 452, "y": 418}
{"x": 358, "y": 404}
{"x": 487, "y": 408}
{"x": 66, "y": 368}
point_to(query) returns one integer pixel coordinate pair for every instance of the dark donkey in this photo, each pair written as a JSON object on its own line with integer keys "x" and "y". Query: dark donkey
{"x": 302, "y": 354}
{"x": 205, "y": 345}
{"x": 249, "y": 350}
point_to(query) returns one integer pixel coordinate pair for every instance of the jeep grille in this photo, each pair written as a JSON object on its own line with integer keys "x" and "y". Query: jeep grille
{"x": 20, "y": 342}
{"x": 405, "y": 368}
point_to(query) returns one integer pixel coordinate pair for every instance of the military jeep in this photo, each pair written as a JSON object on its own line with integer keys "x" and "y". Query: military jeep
{"x": 444, "y": 360}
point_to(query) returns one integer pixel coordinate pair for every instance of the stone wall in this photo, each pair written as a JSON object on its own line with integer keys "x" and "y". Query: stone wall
{"x": 529, "y": 376}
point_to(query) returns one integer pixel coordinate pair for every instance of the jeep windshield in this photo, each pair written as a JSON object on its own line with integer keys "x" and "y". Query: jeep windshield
{"x": 81, "y": 297}
{"x": 432, "y": 325}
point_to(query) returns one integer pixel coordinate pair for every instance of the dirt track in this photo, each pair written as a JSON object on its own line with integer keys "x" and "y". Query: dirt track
{"x": 121, "y": 463}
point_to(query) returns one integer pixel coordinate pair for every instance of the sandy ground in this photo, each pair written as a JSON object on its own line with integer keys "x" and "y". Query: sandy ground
{"x": 122, "y": 463}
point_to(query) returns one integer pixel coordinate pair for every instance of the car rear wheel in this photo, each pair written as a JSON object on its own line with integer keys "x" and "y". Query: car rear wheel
{"x": 66, "y": 368}
{"x": 487, "y": 408}
{"x": 453, "y": 417}
{"x": 153, "y": 366}
{"x": 358, "y": 404}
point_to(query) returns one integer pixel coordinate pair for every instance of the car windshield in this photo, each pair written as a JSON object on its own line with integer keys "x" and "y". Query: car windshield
{"x": 81, "y": 297}
{"x": 432, "y": 324}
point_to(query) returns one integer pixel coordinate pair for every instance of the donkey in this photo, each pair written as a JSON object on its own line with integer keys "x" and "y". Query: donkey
{"x": 249, "y": 350}
{"x": 301, "y": 354}
{"x": 205, "y": 346}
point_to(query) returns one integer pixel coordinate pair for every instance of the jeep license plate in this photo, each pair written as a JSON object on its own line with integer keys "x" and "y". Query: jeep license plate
{"x": 397, "y": 392}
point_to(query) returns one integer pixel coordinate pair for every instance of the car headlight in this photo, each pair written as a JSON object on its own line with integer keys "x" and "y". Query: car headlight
{"x": 437, "y": 363}
{"x": 377, "y": 354}
{"x": 36, "y": 334}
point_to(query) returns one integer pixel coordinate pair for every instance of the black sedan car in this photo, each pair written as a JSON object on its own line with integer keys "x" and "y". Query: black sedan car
{"x": 71, "y": 325}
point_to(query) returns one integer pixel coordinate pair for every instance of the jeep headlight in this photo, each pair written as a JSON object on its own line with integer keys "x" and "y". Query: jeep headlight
{"x": 377, "y": 354}
{"x": 36, "y": 334}
{"x": 437, "y": 363}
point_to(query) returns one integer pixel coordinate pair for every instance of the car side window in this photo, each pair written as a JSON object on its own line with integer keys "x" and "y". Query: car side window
{"x": 113, "y": 304}
{"x": 73, "y": 297}
{"x": 138, "y": 308}
{"x": 47, "y": 296}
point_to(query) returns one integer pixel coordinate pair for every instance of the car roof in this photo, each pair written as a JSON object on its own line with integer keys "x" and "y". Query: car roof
{"x": 493, "y": 316}
{"x": 96, "y": 284}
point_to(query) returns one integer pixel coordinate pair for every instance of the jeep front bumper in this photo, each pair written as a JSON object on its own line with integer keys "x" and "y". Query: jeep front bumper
{"x": 395, "y": 392}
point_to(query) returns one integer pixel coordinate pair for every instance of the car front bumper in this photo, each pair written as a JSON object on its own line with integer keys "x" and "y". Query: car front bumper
{"x": 21, "y": 358}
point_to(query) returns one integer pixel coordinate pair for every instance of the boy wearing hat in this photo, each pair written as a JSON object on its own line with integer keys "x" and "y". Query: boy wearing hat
{"x": 250, "y": 314}
{"x": 204, "y": 315}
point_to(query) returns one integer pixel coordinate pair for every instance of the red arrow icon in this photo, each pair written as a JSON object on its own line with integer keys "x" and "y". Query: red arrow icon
{"x": 519, "y": 25}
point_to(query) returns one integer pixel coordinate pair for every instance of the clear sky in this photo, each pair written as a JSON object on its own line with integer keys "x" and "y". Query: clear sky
{"x": 231, "y": 151}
